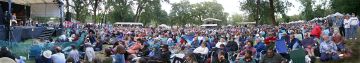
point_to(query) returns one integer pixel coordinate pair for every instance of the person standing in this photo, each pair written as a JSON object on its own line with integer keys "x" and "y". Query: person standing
{"x": 340, "y": 24}
{"x": 347, "y": 27}
{"x": 354, "y": 22}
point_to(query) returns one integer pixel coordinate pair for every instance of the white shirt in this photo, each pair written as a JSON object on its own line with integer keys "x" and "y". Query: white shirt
{"x": 201, "y": 50}
{"x": 63, "y": 37}
{"x": 90, "y": 53}
{"x": 354, "y": 21}
{"x": 219, "y": 43}
{"x": 346, "y": 23}
{"x": 74, "y": 54}
{"x": 58, "y": 58}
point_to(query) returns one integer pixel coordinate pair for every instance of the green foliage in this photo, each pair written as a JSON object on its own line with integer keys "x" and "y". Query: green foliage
{"x": 346, "y": 6}
{"x": 308, "y": 10}
{"x": 209, "y": 10}
{"x": 180, "y": 13}
{"x": 152, "y": 13}
{"x": 81, "y": 11}
{"x": 294, "y": 18}
{"x": 237, "y": 19}
{"x": 121, "y": 11}
{"x": 264, "y": 15}
{"x": 185, "y": 13}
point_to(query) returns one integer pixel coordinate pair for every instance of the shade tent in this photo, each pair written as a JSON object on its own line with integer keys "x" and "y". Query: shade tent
{"x": 39, "y": 8}
{"x": 24, "y": 2}
{"x": 210, "y": 19}
{"x": 245, "y": 23}
{"x": 337, "y": 14}
{"x": 207, "y": 25}
{"x": 165, "y": 26}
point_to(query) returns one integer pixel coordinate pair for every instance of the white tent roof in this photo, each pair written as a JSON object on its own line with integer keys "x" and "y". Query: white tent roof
{"x": 31, "y": 1}
{"x": 211, "y": 19}
{"x": 128, "y": 23}
{"x": 205, "y": 25}
{"x": 248, "y": 23}
{"x": 338, "y": 14}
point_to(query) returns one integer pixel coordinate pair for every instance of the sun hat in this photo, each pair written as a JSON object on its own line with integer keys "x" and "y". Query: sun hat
{"x": 6, "y": 60}
{"x": 47, "y": 54}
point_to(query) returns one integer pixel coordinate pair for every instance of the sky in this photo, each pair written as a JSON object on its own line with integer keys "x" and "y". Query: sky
{"x": 233, "y": 6}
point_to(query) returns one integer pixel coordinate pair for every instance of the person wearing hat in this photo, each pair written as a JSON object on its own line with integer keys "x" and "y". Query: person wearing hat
{"x": 6, "y": 60}
{"x": 58, "y": 57}
{"x": 4, "y": 52}
{"x": 165, "y": 54}
{"x": 45, "y": 57}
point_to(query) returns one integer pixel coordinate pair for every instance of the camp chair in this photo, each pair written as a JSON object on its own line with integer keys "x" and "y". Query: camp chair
{"x": 298, "y": 56}
{"x": 35, "y": 51}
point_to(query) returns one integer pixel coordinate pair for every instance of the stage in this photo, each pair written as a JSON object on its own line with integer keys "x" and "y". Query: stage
{"x": 21, "y": 33}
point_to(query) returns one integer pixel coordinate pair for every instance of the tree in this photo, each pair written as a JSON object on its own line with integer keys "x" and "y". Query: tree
{"x": 208, "y": 10}
{"x": 143, "y": 4}
{"x": 237, "y": 19}
{"x": 185, "y": 13}
{"x": 180, "y": 13}
{"x": 81, "y": 11}
{"x": 95, "y": 6}
{"x": 308, "y": 11}
{"x": 262, "y": 10}
{"x": 272, "y": 11}
{"x": 346, "y": 6}
{"x": 120, "y": 10}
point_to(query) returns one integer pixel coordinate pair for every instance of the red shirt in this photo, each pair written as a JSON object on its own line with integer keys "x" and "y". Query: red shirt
{"x": 268, "y": 40}
{"x": 316, "y": 31}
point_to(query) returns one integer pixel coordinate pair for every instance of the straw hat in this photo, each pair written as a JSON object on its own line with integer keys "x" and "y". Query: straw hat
{"x": 47, "y": 54}
{"x": 6, "y": 60}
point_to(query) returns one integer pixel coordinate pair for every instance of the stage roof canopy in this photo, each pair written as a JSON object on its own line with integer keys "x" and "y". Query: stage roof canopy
{"x": 23, "y": 2}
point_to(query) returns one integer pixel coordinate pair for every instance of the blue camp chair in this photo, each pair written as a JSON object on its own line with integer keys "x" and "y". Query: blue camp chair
{"x": 35, "y": 51}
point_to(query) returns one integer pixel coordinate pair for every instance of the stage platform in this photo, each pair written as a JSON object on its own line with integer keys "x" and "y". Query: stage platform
{"x": 21, "y": 33}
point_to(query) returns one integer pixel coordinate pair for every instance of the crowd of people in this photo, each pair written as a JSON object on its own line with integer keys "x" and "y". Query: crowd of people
{"x": 235, "y": 44}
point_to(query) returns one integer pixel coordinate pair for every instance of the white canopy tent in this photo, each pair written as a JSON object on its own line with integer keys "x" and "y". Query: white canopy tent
{"x": 128, "y": 23}
{"x": 164, "y": 25}
{"x": 210, "y": 19}
{"x": 245, "y": 23}
{"x": 208, "y": 25}
{"x": 23, "y": 2}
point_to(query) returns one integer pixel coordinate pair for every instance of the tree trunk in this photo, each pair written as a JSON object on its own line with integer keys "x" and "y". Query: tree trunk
{"x": 272, "y": 11}
{"x": 67, "y": 5}
{"x": 94, "y": 10}
{"x": 138, "y": 12}
{"x": 257, "y": 12}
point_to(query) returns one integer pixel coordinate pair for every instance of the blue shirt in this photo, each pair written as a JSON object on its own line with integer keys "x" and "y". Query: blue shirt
{"x": 281, "y": 46}
{"x": 260, "y": 47}
{"x": 327, "y": 47}
{"x": 119, "y": 58}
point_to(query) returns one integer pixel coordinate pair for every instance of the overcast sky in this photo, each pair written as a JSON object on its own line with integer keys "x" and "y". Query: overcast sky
{"x": 233, "y": 6}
